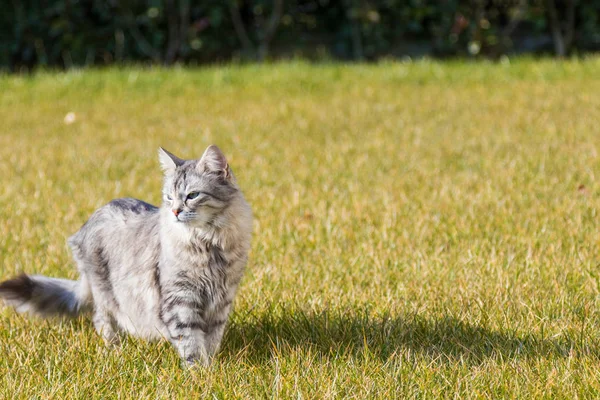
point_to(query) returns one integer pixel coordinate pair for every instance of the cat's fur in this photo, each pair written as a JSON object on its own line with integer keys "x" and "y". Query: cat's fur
{"x": 155, "y": 272}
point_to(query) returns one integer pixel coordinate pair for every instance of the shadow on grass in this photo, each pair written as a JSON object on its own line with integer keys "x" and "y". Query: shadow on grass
{"x": 334, "y": 333}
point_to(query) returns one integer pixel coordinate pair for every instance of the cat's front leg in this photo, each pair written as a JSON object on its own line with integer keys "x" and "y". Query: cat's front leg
{"x": 213, "y": 339}
{"x": 215, "y": 326}
{"x": 186, "y": 328}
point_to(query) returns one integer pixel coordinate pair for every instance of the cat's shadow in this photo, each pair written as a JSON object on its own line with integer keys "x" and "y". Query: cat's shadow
{"x": 333, "y": 333}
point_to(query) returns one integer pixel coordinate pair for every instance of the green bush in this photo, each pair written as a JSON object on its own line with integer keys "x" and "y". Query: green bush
{"x": 69, "y": 33}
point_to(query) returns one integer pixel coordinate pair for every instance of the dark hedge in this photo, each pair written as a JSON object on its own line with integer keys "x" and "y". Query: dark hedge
{"x": 69, "y": 33}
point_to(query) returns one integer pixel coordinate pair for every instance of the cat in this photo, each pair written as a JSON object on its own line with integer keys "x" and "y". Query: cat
{"x": 170, "y": 272}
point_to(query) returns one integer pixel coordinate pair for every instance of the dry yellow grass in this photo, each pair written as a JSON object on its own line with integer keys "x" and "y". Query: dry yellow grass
{"x": 422, "y": 230}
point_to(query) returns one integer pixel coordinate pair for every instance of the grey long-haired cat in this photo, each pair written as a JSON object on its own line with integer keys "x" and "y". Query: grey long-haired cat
{"x": 153, "y": 272}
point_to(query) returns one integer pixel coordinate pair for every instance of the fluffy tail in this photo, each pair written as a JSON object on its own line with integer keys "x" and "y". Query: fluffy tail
{"x": 43, "y": 296}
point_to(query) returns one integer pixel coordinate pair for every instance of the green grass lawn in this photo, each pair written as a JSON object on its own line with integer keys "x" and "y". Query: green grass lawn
{"x": 421, "y": 230}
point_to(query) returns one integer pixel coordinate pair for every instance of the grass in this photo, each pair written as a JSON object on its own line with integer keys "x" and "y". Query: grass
{"x": 421, "y": 229}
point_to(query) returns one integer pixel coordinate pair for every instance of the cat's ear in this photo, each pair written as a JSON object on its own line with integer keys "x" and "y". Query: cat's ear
{"x": 168, "y": 161}
{"x": 213, "y": 160}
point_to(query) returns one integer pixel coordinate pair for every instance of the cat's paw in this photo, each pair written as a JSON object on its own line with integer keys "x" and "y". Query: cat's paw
{"x": 112, "y": 339}
{"x": 195, "y": 362}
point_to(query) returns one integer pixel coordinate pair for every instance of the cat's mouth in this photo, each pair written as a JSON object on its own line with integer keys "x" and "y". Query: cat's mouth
{"x": 180, "y": 218}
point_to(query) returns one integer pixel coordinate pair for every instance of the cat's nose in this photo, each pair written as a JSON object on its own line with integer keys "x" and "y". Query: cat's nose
{"x": 176, "y": 211}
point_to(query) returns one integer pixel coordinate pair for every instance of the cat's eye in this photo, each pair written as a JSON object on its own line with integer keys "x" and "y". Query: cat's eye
{"x": 169, "y": 197}
{"x": 193, "y": 195}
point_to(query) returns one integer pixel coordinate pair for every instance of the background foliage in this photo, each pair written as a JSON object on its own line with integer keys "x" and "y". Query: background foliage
{"x": 90, "y": 32}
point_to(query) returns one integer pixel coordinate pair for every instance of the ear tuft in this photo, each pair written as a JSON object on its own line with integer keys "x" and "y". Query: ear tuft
{"x": 168, "y": 161}
{"x": 213, "y": 160}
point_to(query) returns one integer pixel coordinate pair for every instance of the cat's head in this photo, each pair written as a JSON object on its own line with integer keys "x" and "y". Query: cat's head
{"x": 196, "y": 192}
